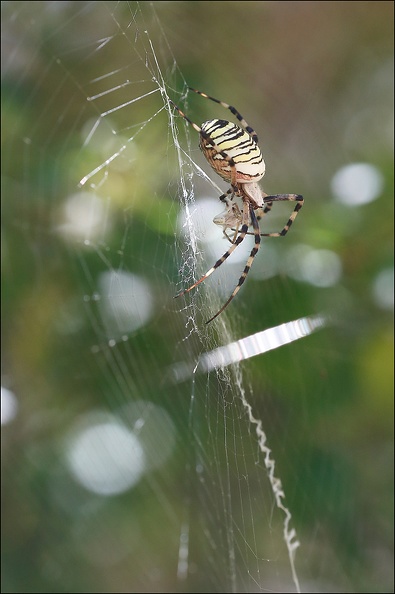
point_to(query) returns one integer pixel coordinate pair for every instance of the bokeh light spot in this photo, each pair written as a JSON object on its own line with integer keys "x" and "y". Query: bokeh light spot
{"x": 105, "y": 456}
{"x": 125, "y": 303}
{"x": 9, "y": 406}
{"x": 322, "y": 268}
{"x": 383, "y": 289}
{"x": 84, "y": 217}
{"x": 357, "y": 183}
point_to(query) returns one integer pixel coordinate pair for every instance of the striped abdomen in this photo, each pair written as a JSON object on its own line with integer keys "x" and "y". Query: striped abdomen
{"x": 236, "y": 144}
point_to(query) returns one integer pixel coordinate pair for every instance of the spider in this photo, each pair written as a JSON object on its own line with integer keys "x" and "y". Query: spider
{"x": 233, "y": 153}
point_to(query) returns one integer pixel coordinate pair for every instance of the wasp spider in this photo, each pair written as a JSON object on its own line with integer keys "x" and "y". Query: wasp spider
{"x": 233, "y": 153}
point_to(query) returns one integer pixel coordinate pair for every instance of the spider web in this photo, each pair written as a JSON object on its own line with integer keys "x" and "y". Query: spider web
{"x": 232, "y": 382}
{"x": 171, "y": 450}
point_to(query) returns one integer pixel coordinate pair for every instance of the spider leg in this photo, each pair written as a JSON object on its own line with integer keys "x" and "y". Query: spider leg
{"x": 236, "y": 231}
{"x": 224, "y": 198}
{"x": 259, "y": 217}
{"x": 195, "y": 126}
{"x": 250, "y": 260}
{"x": 291, "y": 197}
{"x": 226, "y": 255}
{"x": 210, "y": 141}
{"x": 233, "y": 110}
{"x": 264, "y": 211}
{"x": 284, "y": 197}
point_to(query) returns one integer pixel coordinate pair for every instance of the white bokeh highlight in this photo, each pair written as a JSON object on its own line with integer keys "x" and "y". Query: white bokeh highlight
{"x": 383, "y": 289}
{"x": 9, "y": 406}
{"x": 105, "y": 456}
{"x": 84, "y": 217}
{"x": 321, "y": 268}
{"x": 125, "y": 302}
{"x": 357, "y": 184}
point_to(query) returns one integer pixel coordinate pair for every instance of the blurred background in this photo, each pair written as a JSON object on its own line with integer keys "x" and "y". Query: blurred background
{"x": 123, "y": 471}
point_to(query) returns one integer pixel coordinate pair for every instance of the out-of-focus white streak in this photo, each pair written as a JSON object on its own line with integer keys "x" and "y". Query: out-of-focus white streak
{"x": 252, "y": 345}
{"x": 259, "y": 343}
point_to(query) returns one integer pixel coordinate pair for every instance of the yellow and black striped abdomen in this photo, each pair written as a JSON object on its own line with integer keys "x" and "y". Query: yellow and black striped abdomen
{"x": 224, "y": 143}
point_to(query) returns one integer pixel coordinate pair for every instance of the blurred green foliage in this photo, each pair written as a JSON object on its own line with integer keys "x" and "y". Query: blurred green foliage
{"x": 315, "y": 79}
